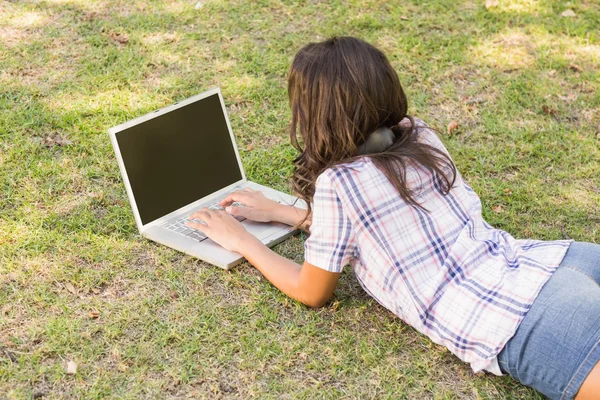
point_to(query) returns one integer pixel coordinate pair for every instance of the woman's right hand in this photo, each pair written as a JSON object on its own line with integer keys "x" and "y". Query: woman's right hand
{"x": 254, "y": 205}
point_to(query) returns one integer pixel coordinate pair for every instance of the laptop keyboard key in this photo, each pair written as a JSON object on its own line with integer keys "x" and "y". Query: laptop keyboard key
{"x": 196, "y": 236}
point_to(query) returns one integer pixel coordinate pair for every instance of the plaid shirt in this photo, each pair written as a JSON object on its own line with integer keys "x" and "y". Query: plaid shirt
{"x": 446, "y": 272}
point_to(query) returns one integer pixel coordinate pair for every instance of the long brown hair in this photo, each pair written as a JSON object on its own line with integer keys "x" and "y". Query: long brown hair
{"x": 340, "y": 91}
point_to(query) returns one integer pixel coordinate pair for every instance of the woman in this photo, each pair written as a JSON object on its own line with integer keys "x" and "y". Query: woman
{"x": 385, "y": 197}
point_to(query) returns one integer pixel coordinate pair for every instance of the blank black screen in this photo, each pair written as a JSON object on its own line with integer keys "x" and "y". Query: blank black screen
{"x": 179, "y": 157}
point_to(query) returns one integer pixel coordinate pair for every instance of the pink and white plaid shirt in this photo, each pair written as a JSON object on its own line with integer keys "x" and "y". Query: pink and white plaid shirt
{"x": 446, "y": 272}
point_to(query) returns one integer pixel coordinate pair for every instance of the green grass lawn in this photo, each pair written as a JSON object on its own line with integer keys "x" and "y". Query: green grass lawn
{"x": 78, "y": 283}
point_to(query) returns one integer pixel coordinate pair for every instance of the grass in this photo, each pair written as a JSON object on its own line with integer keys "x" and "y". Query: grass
{"x": 77, "y": 283}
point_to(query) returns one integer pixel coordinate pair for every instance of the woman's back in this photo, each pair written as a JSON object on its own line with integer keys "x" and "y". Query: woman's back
{"x": 441, "y": 268}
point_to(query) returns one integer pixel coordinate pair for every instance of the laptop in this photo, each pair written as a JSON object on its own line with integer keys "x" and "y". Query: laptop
{"x": 179, "y": 159}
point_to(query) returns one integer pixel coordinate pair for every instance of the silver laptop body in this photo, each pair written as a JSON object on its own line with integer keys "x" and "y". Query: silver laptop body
{"x": 182, "y": 158}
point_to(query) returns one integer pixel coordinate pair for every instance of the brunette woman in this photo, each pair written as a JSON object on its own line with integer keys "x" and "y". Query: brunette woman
{"x": 385, "y": 197}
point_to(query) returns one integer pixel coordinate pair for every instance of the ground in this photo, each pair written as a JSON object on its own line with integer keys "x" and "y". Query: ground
{"x": 77, "y": 282}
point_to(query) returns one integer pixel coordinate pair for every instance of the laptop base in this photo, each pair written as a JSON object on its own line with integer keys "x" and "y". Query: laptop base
{"x": 269, "y": 233}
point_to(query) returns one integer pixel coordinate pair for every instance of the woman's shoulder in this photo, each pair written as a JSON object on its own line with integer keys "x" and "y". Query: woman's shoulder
{"x": 345, "y": 176}
{"x": 426, "y": 134}
{"x": 363, "y": 168}
{"x": 347, "y": 169}
{"x": 419, "y": 123}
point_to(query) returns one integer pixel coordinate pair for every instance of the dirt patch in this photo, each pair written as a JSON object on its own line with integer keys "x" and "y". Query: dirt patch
{"x": 11, "y": 36}
{"x": 506, "y": 51}
{"x": 160, "y": 38}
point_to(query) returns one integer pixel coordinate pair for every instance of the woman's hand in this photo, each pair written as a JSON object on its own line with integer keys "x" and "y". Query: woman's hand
{"x": 221, "y": 227}
{"x": 256, "y": 206}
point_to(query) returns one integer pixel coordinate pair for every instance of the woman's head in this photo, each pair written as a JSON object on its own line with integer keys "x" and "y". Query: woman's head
{"x": 340, "y": 91}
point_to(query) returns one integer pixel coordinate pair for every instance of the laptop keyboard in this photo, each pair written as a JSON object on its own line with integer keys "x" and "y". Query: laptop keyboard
{"x": 179, "y": 227}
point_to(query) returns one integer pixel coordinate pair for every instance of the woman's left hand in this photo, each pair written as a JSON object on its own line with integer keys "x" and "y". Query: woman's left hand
{"x": 219, "y": 226}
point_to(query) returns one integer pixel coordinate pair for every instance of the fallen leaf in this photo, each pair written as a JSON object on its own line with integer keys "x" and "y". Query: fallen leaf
{"x": 69, "y": 286}
{"x": 120, "y": 38}
{"x": 576, "y": 67}
{"x": 452, "y": 126}
{"x": 475, "y": 100}
{"x": 71, "y": 368}
{"x": 569, "y": 98}
{"x": 61, "y": 141}
{"x": 96, "y": 290}
{"x": 55, "y": 140}
{"x": 249, "y": 147}
{"x": 173, "y": 294}
{"x": 568, "y": 13}
{"x": 94, "y": 314}
{"x": 498, "y": 209}
{"x": 491, "y": 3}
{"x": 404, "y": 18}
{"x": 548, "y": 110}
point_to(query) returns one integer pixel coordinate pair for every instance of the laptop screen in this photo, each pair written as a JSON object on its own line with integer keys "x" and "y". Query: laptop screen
{"x": 179, "y": 157}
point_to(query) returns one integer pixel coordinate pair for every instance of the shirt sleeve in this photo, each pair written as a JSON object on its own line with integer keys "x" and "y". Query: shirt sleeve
{"x": 330, "y": 245}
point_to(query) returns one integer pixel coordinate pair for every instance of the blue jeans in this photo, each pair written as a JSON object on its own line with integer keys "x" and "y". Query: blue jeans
{"x": 558, "y": 342}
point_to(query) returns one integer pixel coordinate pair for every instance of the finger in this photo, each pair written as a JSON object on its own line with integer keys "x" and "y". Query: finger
{"x": 203, "y": 215}
{"x": 236, "y": 210}
{"x": 232, "y": 197}
{"x": 198, "y": 226}
{"x": 197, "y": 215}
{"x": 219, "y": 213}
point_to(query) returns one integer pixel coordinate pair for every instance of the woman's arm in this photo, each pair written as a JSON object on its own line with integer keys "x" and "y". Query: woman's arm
{"x": 291, "y": 215}
{"x": 257, "y": 207}
{"x": 308, "y": 284}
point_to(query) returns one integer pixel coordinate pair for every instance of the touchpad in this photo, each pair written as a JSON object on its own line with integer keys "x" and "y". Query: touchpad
{"x": 263, "y": 229}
